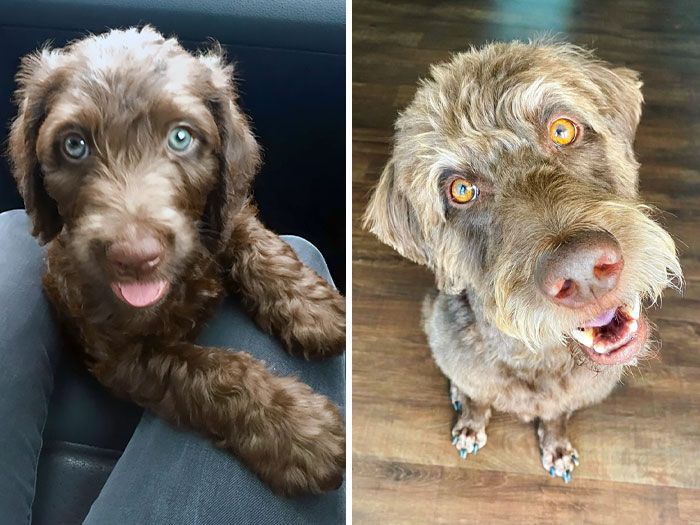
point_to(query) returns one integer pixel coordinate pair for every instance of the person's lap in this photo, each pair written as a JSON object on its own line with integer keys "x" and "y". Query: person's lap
{"x": 185, "y": 479}
{"x": 29, "y": 348}
{"x": 165, "y": 475}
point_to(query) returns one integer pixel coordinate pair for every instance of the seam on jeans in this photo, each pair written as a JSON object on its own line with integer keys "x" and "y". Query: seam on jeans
{"x": 41, "y": 433}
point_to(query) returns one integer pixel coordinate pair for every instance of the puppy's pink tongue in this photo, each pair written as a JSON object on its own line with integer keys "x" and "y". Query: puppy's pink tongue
{"x": 140, "y": 294}
{"x": 602, "y": 319}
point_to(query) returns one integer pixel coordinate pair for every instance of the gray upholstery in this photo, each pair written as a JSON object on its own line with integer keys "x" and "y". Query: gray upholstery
{"x": 310, "y": 25}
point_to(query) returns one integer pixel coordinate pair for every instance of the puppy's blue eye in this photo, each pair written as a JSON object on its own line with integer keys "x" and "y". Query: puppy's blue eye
{"x": 179, "y": 139}
{"x": 75, "y": 147}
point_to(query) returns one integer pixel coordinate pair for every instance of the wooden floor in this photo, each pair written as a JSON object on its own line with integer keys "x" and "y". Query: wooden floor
{"x": 640, "y": 449}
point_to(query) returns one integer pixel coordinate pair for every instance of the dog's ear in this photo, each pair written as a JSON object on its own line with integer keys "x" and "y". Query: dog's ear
{"x": 239, "y": 153}
{"x": 39, "y": 78}
{"x": 623, "y": 90}
{"x": 391, "y": 217}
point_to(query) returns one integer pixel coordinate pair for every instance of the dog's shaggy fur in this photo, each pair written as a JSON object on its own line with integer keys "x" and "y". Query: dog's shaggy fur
{"x": 484, "y": 116}
{"x": 123, "y": 92}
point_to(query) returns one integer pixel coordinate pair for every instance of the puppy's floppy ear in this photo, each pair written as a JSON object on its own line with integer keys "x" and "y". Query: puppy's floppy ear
{"x": 623, "y": 90}
{"x": 38, "y": 79}
{"x": 391, "y": 217}
{"x": 239, "y": 153}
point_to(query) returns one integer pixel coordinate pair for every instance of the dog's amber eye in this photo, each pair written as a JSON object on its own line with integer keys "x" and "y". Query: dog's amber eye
{"x": 75, "y": 147}
{"x": 563, "y": 131}
{"x": 462, "y": 191}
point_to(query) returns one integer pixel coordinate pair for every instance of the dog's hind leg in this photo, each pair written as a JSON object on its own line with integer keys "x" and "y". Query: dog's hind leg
{"x": 285, "y": 297}
{"x": 469, "y": 432}
{"x": 558, "y": 455}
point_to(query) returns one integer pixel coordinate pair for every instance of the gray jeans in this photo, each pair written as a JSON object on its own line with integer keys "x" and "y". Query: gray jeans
{"x": 165, "y": 475}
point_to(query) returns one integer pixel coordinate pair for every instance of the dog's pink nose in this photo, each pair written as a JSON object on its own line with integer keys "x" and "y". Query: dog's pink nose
{"x": 141, "y": 255}
{"x": 582, "y": 271}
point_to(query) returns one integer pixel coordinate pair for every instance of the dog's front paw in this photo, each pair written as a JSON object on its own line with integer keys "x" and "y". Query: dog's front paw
{"x": 306, "y": 453}
{"x": 559, "y": 459}
{"x": 469, "y": 433}
{"x": 558, "y": 456}
{"x": 467, "y": 437}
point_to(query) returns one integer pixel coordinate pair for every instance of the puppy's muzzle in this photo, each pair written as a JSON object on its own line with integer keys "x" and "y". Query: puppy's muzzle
{"x": 137, "y": 256}
{"x": 135, "y": 263}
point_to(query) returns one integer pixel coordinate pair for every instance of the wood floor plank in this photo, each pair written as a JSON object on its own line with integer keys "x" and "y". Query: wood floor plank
{"x": 418, "y": 493}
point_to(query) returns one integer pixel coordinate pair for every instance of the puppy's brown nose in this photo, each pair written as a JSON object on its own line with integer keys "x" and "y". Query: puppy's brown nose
{"x": 141, "y": 255}
{"x": 582, "y": 271}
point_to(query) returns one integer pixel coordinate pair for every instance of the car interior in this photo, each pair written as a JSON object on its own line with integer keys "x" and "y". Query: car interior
{"x": 290, "y": 64}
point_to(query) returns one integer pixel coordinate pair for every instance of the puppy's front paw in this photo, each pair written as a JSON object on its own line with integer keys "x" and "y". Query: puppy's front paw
{"x": 467, "y": 437}
{"x": 559, "y": 459}
{"x": 309, "y": 444}
{"x": 318, "y": 331}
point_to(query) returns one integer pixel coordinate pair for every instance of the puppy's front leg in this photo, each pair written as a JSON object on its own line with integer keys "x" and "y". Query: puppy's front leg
{"x": 558, "y": 456}
{"x": 284, "y": 296}
{"x": 291, "y": 437}
{"x": 469, "y": 432}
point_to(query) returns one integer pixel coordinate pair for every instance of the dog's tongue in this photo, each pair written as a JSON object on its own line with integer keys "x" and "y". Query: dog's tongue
{"x": 602, "y": 319}
{"x": 141, "y": 294}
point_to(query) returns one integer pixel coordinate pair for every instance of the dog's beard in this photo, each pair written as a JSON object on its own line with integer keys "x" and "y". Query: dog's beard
{"x": 651, "y": 265}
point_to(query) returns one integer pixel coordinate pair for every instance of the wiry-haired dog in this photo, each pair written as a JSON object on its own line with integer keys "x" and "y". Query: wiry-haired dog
{"x": 135, "y": 165}
{"x": 513, "y": 178}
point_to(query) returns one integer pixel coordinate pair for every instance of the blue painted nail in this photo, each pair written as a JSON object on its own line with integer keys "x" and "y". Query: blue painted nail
{"x": 457, "y": 406}
{"x": 574, "y": 458}
{"x": 552, "y": 471}
{"x": 475, "y": 448}
{"x": 455, "y": 439}
{"x": 463, "y": 453}
{"x": 567, "y": 476}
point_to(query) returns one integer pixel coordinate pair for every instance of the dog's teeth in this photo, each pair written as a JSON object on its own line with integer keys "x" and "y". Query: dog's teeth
{"x": 584, "y": 336}
{"x": 633, "y": 326}
{"x": 600, "y": 348}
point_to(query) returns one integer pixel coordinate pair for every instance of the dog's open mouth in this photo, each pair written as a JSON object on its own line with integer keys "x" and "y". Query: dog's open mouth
{"x": 141, "y": 294}
{"x": 615, "y": 336}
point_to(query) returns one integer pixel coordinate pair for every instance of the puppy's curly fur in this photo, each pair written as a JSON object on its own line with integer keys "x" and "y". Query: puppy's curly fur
{"x": 123, "y": 92}
{"x": 484, "y": 116}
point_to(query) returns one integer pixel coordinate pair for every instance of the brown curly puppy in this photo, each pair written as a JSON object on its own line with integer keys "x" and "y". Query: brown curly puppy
{"x": 513, "y": 178}
{"x": 135, "y": 163}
